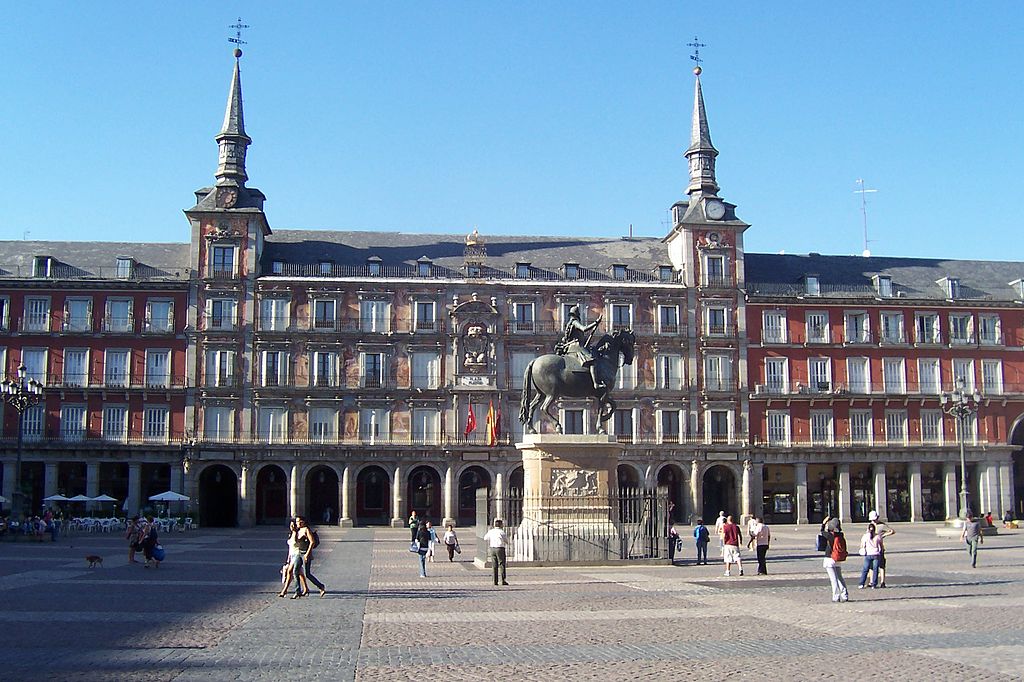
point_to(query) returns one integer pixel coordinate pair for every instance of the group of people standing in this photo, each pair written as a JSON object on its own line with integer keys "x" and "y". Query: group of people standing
{"x": 730, "y": 539}
{"x": 832, "y": 541}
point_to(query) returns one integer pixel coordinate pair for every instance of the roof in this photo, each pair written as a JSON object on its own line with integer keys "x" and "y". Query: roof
{"x": 86, "y": 260}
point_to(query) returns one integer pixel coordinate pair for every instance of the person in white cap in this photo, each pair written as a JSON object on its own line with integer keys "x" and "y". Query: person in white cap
{"x": 882, "y": 531}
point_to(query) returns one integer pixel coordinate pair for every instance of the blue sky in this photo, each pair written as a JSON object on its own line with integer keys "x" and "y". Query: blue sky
{"x": 526, "y": 117}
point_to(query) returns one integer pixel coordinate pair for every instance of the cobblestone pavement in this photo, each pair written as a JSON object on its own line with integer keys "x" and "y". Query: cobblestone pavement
{"x": 210, "y": 612}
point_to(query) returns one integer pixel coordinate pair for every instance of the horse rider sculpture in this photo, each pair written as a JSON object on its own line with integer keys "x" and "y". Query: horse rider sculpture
{"x": 576, "y": 339}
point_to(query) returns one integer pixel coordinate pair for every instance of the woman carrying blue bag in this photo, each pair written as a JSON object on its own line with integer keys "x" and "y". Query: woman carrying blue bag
{"x": 422, "y": 544}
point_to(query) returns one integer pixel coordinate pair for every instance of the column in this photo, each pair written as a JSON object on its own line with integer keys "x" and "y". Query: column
{"x": 800, "y": 473}
{"x": 246, "y": 496}
{"x": 745, "y": 493}
{"x": 50, "y": 479}
{"x": 176, "y": 478}
{"x": 92, "y": 479}
{"x": 989, "y": 484}
{"x": 295, "y": 490}
{"x": 757, "y": 488}
{"x": 8, "y": 490}
{"x": 951, "y": 493}
{"x": 916, "y": 502}
{"x": 499, "y": 486}
{"x": 345, "y": 503}
{"x": 696, "y": 504}
{"x": 1005, "y": 487}
{"x": 397, "y": 502}
{"x": 881, "y": 494}
{"x": 845, "y": 501}
{"x": 135, "y": 488}
{"x": 449, "y": 496}
{"x": 649, "y": 480}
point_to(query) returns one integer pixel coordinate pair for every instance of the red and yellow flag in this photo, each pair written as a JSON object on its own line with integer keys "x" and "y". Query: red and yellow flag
{"x": 492, "y": 425}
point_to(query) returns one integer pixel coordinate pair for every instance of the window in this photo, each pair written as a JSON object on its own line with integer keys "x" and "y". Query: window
{"x": 622, "y": 316}
{"x": 716, "y": 321}
{"x": 618, "y": 271}
{"x": 896, "y": 427}
{"x": 773, "y": 326}
{"x": 929, "y": 381}
{"x": 626, "y": 378}
{"x": 860, "y": 426}
{"x": 223, "y": 261}
{"x": 822, "y": 432}
{"x": 714, "y": 271}
{"x": 76, "y": 367}
{"x": 37, "y": 315}
{"x": 665, "y": 273}
{"x": 325, "y": 268}
{"x": 970, "y": 428}
{"x": 426, "y": 370}
{"x": 572, "y": 270}
{"x": 158, "y": 368}
{"x": 41, "y": 266}
{"x": 926, "y": 328}
{"x": 220, "y": 368}
{"x": 817, "y": 326}
{"x": 961, "y": 328}
{"x": 622, "y": 425}
{"x": 34, "y": 422}
{"x": 522, "y": 320}
{"x": 125, "y": 266}
{"x": 668, "y": 425}
{"x": 272, "y": 426}
{"x": 819, "y": 375}
{"x": 274, "y": 314}
{"x": 72, "y": 422}
{"x": 115, "y": 369}
{"x": 523, "y": 270}
{"x": 324, "y": 313}
{"x": 719, "y": 426}
{"x": 276, "y": 267}
{"x": 425, "y": 425}
{"x": 373, "y": 425}
{"x": 325, "y": 369}
{"x": 517, "y": 368}
{"x": 858, "y": 375}
{"x": 989, "y": 330}
{"x": 119, "y": 315}
{"x": 5, "y": 307}
{"x": 154, "y": 424}
{"x": 992, "y": 377}
{"x": 778, "y": 427}
{"x": 892, "y": 327}
{"x": 776, "y": 375}
{"x": 115, "y": 423}
{"x": 951, "y": 285}
{"x": 893, "y": 375}
{"x": 931, "y": 426}
{"x": 670, "y": 372}
{"x": 275, "y": 368}
{"x": 423, "y": 267}
{"x": 220, "y": 313}
{"x": 963, "y": 372}
{"x": 159, "y": 317}
{"x": 323, "y": 424}
{"x": 374, "y": 316}
{"x": 373, "y": 370}
{"x": 668, "y": 319}
{"x": 218, "y": 423}
{"x": 858, "y": 329}
{"x": 883, "y": 285}
{"x": 374, "y": 266}
{"x": 717, "y": 373}
{"x": 812, "y": 285}
{"x": 572, "y": 421}
{"x": 3, "y": 367}
{"x": 78, "y": 315}
{"x": 35, "y": 362}
{"x": 425, "y": 319}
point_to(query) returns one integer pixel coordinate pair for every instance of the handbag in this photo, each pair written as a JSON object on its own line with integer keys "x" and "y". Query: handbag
{"x": 458, "y": 550}
{"x": 414, "y": 547}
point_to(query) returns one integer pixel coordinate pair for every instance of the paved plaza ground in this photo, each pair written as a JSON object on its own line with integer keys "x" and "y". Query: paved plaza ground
{"x": 210, "y": 612}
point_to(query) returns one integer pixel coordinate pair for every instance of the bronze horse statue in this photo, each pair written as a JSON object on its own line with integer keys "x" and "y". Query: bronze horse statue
{"x": 552, "y": 376}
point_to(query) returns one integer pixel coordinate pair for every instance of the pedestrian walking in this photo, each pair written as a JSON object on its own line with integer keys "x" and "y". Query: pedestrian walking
{"x": 673, "y": 542}
{"x": 870, "y": 548}
{"x": 150, "y": 541}
{"x": 310, "y": 539}
{"x": 131, "y": 534}
{"x": 883, "y": 530}
{"x": 422, "y": 541}
{"x": 972, "y": 537}
{"x": 414, "y": 524}
{"x": 295, "y": 570}
{"x": 451, "y": 543}
{"x": 760, "y": 538}
{"x": 701, "y": 537}
{"x": 497, "y": 542}
{"x": 433, "y": 541}
{"x": 719, "y": 522}
{"x": 731, "y": 546}
{"x": 835, "y": 554}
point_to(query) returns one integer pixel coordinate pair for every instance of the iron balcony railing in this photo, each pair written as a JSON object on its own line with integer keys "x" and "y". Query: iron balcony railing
{"x": 436, "y": 272}
{"x": 924, "y": 389}
{"x": 874, "y": 441}
{"x": 58, "y": 271}
{"x": 84, "y": 382}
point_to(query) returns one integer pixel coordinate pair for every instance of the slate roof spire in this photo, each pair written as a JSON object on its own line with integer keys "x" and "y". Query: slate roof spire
{"x": 232, "y": 140}
{"x": 701, "y": 153}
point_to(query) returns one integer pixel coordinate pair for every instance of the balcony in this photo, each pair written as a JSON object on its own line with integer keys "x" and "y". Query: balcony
{"x": 874, "y": 441}
{"x": 716, "y": 282}
{"x": 118, "y": 324}
{"x": 437, "y": 272}
{"x": 80, "y": 382}
{"x": 35, "y": 323}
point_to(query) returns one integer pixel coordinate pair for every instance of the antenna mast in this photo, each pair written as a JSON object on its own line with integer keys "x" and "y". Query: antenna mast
{"x": 863, "y": 191}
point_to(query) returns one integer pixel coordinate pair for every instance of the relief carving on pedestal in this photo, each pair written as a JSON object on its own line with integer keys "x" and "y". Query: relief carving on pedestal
{"x": 573, "y": 483}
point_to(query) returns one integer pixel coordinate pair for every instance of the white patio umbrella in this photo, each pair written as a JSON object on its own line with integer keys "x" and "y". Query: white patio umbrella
{"x": 3, "y": 499}
{"x": 79, "y": 498}
{"x": 55, "y": 498}
{"x": 169, "y": 496}
{"x": 105, "y": 498}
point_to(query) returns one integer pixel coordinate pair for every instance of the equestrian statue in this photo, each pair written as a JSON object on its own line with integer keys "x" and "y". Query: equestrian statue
{"x": 577, "y": 369}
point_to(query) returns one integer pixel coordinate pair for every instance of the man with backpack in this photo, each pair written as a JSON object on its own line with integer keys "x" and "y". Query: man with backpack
{"x": 702, "y": 537}
{"x": 835, "y": 555}
{"x": 307, "y": 541}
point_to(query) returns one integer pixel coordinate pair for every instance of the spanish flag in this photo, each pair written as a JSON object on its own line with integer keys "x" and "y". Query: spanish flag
{"x": 492, "y": 425}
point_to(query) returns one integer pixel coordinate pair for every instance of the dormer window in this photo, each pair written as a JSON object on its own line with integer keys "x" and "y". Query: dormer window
{"x": 523, "y": 270}
{"x": 618, "y": 271}
{"x": 951, "y": 286}
{"x": 277, "y": 267}
{"x": 812, "y": 286}
{"x": 665, "y": 273}
{"x": 41, "y": 266}
{"x": 473, "y": 270}
{"x": 125, "y": 265}
{"x": 423, "y": 267}
{"x": 883, "y": 285}
{"x": 572, "y": 270}
{"x": 373, "y": 264}
{"x": 1018, "y": 286}
{"x": 325, "y": 268}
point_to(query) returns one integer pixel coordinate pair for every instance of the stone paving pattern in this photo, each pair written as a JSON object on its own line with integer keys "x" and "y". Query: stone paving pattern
{"x": 210, "y": 612}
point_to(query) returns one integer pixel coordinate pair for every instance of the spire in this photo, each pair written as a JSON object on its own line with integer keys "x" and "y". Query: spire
{"x": 701, "y": 154}
{"x": 232, "y": 140}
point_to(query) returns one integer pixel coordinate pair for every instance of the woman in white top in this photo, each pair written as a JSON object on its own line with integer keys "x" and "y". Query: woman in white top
{"x": 451, "y": 541}
{"x": 870, "y": 549}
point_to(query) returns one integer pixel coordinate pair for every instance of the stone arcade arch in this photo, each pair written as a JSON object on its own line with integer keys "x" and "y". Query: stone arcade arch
{"x": 271, "y": 495}
{"x": 424, "y": 493}
{"x": 322, "y": 495}
{"x": 672, "y": 477}
{"x": 373, "y": 497}
{"x": 720, "y": 494}
{"x": 1017, "y": 462}
{"x": 218, "y": 497}
{"x": 470, "y": 480}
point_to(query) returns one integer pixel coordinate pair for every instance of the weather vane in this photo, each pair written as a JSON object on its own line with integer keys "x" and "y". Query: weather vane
{"x": 696, "y": 45}
{"x": 237, "y": 40}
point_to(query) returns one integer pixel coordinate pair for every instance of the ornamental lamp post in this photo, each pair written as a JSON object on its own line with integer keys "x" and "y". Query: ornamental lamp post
{"x": 962, "y": 406}
{"x": 21, "y": 394}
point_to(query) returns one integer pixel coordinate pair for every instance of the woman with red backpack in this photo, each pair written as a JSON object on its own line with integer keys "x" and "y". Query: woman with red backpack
{"x": 835, "y": 553}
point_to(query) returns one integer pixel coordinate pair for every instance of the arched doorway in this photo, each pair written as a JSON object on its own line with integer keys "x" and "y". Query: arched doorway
{"x": 471, "y": 479}
{"x": 671, "y": 477}
{"x": 423, "y": 493}
{"x": 218, "y": 497}
{"x": 322, "y": 495}
{"x": 515, "y": 482}
{"x": 628, "y": 477}
{"x": 271, "y": 495}
{"x": 719, "y": 485}
{"x": 631, "y": 498}
{"x": 1017, "y": 461}
{"x": 373, "y": 501}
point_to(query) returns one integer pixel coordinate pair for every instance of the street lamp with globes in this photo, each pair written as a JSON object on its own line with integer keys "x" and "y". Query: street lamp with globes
{"x": 20, "y": 393}
{"x": 961, "y": 405}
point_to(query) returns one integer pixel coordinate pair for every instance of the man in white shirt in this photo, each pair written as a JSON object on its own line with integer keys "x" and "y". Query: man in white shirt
{"x": 497, "y": 541}
{"x": 719, "y": 522}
